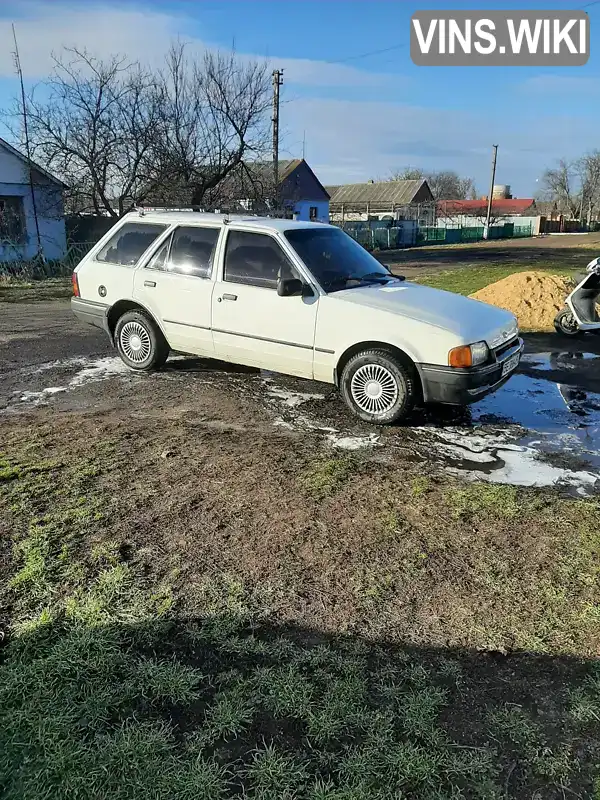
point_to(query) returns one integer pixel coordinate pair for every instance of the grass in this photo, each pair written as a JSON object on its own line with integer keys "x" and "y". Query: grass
{"x": 324, "y": 476}
{"x": 109, "y": 686}
{"x": 467, "y": 280}
{"x": 20, "y": 291}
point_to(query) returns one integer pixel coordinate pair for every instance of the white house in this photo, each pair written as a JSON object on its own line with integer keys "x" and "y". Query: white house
{"x": 31, "y": 220}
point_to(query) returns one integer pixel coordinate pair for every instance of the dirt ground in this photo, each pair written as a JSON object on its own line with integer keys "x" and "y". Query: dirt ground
{"x": 456, "y": 554}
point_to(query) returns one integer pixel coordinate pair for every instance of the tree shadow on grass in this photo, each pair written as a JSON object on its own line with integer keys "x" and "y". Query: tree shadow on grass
{"x": 221, "y": 708}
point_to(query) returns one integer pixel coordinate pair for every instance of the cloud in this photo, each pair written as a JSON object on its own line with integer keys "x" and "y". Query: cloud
{"x": 103, "y": 30}
{"x": 355, "y": 141}
{"x": 106, "y": 29}
{"x": 560, "y": 84}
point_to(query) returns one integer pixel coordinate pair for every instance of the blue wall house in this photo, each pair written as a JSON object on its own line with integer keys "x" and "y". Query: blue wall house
{"x": 302, "y": 194}
{"x": 19, "y": 238}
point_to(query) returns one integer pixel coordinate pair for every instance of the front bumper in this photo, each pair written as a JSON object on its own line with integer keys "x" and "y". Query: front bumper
{"x": 91, "y": 313}
{"x": 459, "y": 387}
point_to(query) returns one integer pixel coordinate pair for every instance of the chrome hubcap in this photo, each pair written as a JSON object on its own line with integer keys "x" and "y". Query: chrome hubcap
{"x": 135, "y": 342}
{"x": 374, "y": 389}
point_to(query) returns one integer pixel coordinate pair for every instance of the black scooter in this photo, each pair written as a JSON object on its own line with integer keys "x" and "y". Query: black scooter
{"x": 580, "y": 314}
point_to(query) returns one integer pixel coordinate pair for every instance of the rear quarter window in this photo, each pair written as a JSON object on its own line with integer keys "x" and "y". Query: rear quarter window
{"x": 129, "y": 243}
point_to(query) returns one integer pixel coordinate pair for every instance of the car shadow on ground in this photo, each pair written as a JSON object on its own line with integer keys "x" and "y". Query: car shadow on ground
{"x": 220, "y": 707}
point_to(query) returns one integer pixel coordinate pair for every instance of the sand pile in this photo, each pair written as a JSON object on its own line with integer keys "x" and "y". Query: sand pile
{"x": 533, "y": 297}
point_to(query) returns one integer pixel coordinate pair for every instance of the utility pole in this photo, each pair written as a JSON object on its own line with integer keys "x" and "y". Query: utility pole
{"x": 303, "y": 145}
{"x": 277, "y": 82}
{"x": 27, "y": 145}
{"x": 489, "y": 204}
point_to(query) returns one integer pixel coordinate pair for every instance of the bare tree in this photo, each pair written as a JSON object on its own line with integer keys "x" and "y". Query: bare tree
{"x": 120, "y": 135}
{"x": 214, "y": 120}
{"x": 444, "y": 185}
{"x": 587, "y": 169}
{"x": 560, "y": 185}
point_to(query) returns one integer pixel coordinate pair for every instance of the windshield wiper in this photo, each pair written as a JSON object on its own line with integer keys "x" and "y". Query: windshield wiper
{"x": 370, "y": 276}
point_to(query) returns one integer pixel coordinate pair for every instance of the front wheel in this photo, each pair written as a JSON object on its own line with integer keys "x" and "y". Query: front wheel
{"x": 378, "y": 387}
{"x": 565, "y": 323}
{"x": 140, "y": 342}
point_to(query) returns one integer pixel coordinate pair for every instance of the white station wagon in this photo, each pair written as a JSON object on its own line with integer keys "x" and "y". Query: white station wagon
{"x": 293, "y": 297}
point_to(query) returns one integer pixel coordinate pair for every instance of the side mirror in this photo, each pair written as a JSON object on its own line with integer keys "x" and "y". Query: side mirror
{"x": 289, "y": 287}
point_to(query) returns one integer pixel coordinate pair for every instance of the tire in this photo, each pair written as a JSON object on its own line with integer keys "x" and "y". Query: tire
{"x": 394, "y": 380}
{"x": 140, "y": 341}
{"x": 565, "y": 323}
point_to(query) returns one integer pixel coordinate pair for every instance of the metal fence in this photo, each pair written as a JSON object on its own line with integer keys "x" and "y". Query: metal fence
{"x": 456, "y": 235}
{"x": 36, "y": 269}
{"x": 379, "y": 235}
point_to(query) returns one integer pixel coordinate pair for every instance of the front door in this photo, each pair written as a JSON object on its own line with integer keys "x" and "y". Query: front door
{"x": 176, "y": 285}
{"x": 251, "y": 323}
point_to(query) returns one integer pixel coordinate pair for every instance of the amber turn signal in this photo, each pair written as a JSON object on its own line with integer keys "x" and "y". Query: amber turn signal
{"x": 461, "y": 357}
{"x": 75, "y": 282}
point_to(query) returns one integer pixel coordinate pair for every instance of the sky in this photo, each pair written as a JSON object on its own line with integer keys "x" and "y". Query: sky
{"x": 351, "y": 92}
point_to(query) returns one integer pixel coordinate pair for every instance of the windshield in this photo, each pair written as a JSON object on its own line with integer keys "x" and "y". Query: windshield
{"x": 335, "y": 259}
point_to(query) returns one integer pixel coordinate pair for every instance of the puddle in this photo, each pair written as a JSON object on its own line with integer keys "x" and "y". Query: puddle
{"x": 99, "y": 370}
{"x": 293, "y": 399}
{"x": 560, "y": 361}
{"x": 532, "y": 432}
{"x": 353, "y": 442}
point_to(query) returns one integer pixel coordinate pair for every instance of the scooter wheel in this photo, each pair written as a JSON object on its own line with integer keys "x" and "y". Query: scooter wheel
{"x": 565, "y": 323}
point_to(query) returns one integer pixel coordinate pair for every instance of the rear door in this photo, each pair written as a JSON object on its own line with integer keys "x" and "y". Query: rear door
{"x": 176, "y": 285}
{"x": 251, "y": 323}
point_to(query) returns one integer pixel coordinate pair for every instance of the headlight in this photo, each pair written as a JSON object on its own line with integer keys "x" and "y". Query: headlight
{"x": 470, "y": 355}
{"x": 480, "y": 353}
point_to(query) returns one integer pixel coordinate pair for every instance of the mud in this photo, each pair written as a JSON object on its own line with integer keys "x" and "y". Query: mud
{"x": 541, "y": 429}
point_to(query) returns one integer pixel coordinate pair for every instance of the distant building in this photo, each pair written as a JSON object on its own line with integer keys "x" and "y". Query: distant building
{"x": 301, "y": 193}
{"x": 501, "y": 208}
{"x": 250, "y": 189}
{"x": 19, "y": 213}
{"x": 394, "y": 200}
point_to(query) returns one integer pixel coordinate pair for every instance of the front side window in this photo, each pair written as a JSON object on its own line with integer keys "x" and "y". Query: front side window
{"x": 335, "y": 259}
{"x": 255, "y": 259}
{"x": 129, "y": 243}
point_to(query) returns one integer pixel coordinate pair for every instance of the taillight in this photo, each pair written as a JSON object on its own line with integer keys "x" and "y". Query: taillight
{"x": 75, "y": 282}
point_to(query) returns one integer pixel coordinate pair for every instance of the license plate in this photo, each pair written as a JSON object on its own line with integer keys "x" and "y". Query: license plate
{"x": 510, "y": 364}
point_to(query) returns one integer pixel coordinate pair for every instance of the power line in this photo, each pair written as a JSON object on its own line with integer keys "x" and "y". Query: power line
{"x": 401, "y": 46}
{"x": 369, "y": 53}
{"x": 19, "y": 72}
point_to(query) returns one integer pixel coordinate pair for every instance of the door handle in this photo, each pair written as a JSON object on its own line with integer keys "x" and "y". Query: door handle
{"x": 230, "y": 297}
{"x": 152, "y": 284}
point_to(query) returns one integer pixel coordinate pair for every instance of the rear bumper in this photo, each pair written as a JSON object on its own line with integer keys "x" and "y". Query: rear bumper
{"x": 460, "y": 387}
{"x": 91, "y": 313}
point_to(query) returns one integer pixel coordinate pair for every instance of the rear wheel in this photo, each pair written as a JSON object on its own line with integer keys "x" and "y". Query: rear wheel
{"x": 565, "y": 323}
{"x": 378, "y": 387}
{"x": 140, "y": 342}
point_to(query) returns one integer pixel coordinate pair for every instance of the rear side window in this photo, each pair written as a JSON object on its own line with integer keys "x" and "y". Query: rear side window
{"x": 255, "y": 259}
{"x": 129, "y": 243}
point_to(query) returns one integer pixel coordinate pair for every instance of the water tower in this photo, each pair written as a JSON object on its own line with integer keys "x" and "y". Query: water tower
{"x": 501, "y": 191}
